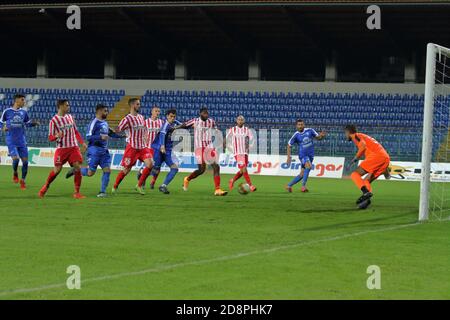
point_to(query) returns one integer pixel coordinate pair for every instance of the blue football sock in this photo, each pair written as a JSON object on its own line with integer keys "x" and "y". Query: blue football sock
{"x": 24, "y": 169}
{"x": 84, "y": 171}
{"x": 296, "y": 179}
{"x": 105, "y": 181}
{"x": 15, "y": 164}
{"x": 305, "y": 176}
{"x": 170, "y": 175}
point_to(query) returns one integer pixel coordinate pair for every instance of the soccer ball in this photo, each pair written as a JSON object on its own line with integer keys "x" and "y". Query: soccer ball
{"x": 244, "y": 188}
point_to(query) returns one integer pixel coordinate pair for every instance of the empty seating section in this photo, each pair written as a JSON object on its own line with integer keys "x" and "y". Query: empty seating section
{"x": 43, "y": 107}
{"x": 393, "y": 119}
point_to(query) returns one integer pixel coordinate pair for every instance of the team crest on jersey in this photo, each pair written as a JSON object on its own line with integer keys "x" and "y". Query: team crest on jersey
{"x": 66, "y": 126}
{"x": 17, "y": 120}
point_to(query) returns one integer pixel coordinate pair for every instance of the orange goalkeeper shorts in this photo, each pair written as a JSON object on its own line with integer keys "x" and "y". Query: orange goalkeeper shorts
{"x": 376, "y": 164}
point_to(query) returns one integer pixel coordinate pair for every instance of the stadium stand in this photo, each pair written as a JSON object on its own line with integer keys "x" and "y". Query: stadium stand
{"x": 394, "y": 119}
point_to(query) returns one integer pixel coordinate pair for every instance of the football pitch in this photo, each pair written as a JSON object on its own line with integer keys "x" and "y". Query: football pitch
{"x": 192, "y": 245}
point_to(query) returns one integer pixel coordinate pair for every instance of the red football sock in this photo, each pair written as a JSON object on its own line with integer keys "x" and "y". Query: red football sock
{"x": 144, "y": 176}
{"x": 237, "y": 176}
{"x": 51, "y": 176}
{"x": 217, "y": 182}
{"x": 119, "y": 179}
{"x": 247, "y": 178}
{"x": 77, "y": 180}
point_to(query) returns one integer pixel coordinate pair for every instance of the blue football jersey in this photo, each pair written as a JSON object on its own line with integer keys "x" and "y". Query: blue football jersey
{"x": 305, "y": 141}
{"x": 15, "y": 120}
{"x": 164, "y": 136}
{"x": 96, "y": 129}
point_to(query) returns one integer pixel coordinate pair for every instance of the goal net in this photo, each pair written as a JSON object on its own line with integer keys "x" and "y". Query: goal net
{"x": 435, "y": 183}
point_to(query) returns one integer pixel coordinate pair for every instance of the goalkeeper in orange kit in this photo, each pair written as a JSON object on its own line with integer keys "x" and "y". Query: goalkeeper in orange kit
{"x": 376, "y": 163}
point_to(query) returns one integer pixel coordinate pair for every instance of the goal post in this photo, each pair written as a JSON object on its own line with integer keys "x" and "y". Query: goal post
{"x": 435, "y": 132}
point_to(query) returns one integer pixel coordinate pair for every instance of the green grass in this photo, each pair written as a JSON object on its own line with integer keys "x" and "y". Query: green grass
{"x": 192, "y": 245}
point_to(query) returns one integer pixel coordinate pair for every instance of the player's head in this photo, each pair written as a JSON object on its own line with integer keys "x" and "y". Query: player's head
{"x": 19, "y": 100}
{"x": 135, "y": 104}
{"x": 204, "y": 113}
{"x": 155, "y": 112}
{"x": 240, "y": 120}
{"x": 350, "y": 130}
{"x": 171, "y": 114}
{"x": 63, "y": 106}
{"x": 101, "y": 111}
{"x": 300, "y": 125}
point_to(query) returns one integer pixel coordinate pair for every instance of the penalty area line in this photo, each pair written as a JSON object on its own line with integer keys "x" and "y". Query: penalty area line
{"x": 212, "y": 260}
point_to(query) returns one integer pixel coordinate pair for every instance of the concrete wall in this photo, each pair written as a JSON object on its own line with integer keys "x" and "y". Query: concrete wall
{"x": 138, "y": 87}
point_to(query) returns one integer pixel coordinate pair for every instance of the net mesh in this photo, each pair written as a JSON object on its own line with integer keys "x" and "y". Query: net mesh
{"x": 439, "y": 207}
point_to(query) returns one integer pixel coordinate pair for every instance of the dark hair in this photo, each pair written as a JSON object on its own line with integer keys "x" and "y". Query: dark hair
{"x": 132, "y": 100}
{"x": 60, "y": 102}
{"x": 350, "y": 128}
{"x": 171, "y": 111}
{"x": 203, "y": 109}
{"x": 299, "y": 120}
{"x": 100, "y": 106}
{"x": 18, "y": 96}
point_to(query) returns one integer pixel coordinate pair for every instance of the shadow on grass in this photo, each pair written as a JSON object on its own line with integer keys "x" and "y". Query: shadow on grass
{"x": 371, "y": 221}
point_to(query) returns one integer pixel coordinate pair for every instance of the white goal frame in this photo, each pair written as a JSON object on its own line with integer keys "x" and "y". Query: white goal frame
{"x": 427, "y": 135}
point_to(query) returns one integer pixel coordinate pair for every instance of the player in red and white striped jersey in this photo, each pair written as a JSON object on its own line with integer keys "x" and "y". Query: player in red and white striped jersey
{"x": 241, "y": 137}
{"x": 153, "y": 125}
{"x": 133, "y": 124}
{"x": 205, "y": 153}
{"x": 63, "y": 130}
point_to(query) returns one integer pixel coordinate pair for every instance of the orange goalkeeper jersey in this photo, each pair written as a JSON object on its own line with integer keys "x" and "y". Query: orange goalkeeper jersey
{"x": 368, "y": 146}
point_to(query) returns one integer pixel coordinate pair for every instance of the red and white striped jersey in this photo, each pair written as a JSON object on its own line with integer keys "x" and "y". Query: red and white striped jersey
{"x": 203, "y": 131}
{"x": 67, "y": 126}
{"x": 238, "y": 137}
{"x": 135, "y": 129}
{"x": 153, "y": 127}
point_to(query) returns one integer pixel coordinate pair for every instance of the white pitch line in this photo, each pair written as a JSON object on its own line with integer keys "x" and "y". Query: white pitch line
{"x": 207, "y": 261}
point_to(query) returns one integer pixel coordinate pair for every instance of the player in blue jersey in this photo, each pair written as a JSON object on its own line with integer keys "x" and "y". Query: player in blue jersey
{"x": 304, "y": 137}
{"x": 162, "y": 146}
{"x": 97, "y": 154}
{"x": 13, "y": 122}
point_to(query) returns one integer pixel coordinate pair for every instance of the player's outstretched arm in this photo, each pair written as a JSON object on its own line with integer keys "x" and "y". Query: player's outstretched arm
{"x": 114, "y": 135}
{"x": 33, "y": 123}
{"x": 178, "y": 125}
{"x": 321, "y": 135}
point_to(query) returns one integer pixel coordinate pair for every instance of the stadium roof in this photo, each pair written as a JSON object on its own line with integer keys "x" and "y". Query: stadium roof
{"x": 86, "y": 3}
{"x": 310, "y": 25}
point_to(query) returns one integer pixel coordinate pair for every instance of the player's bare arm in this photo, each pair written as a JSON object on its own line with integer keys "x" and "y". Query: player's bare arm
{"x": 288, "y": 152}
{"x": 322, "y": 134}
